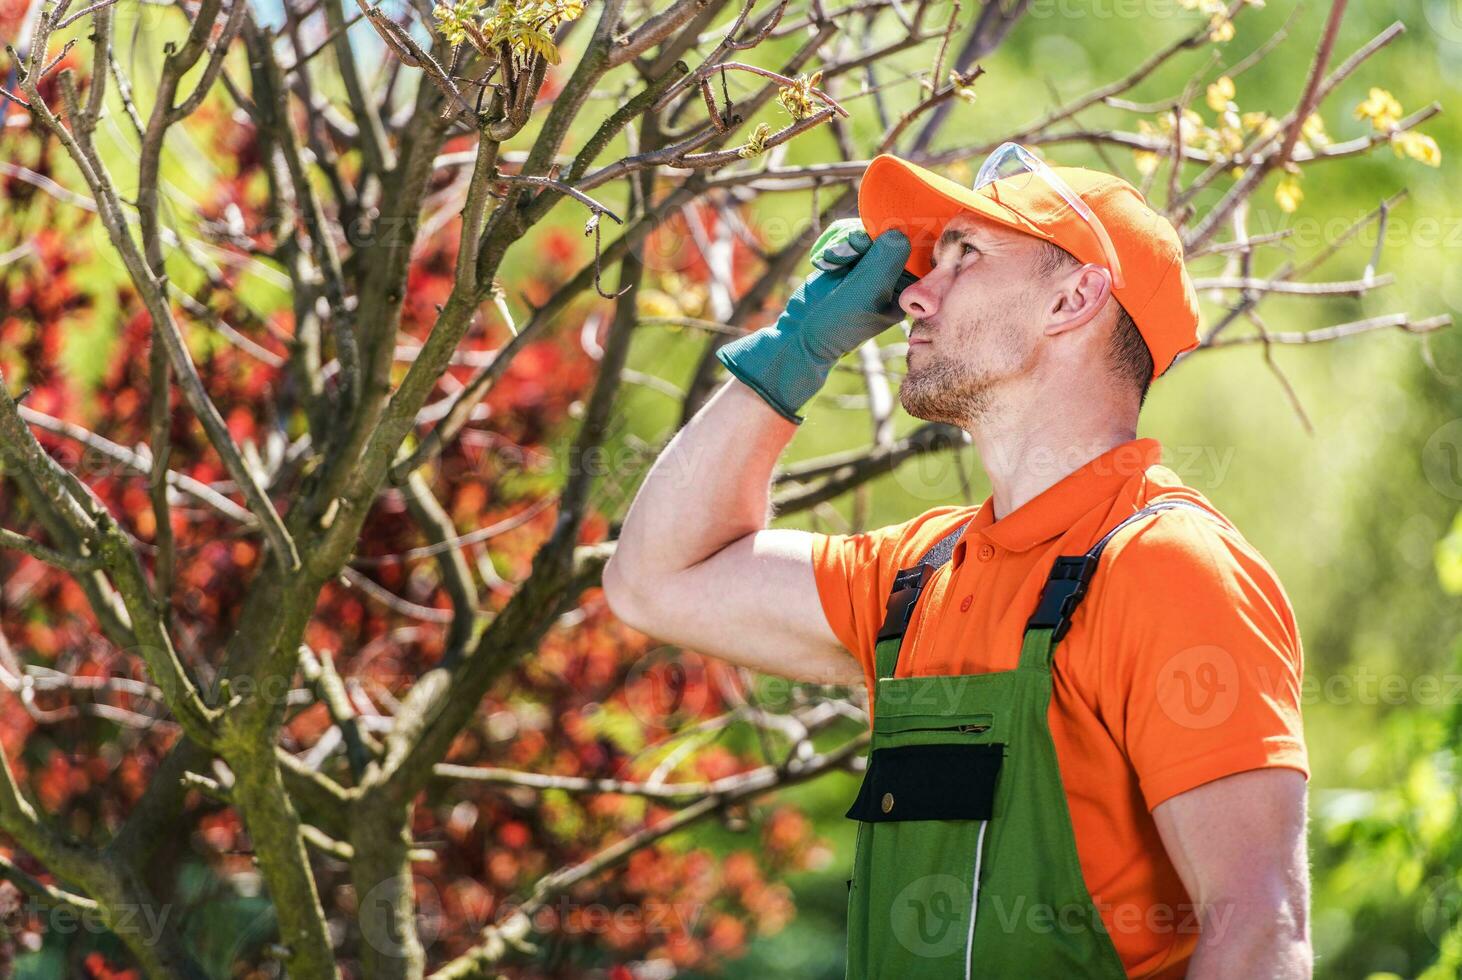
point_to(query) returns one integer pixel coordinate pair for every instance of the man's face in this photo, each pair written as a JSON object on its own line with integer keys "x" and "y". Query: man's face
{"x": 975, "y": 320}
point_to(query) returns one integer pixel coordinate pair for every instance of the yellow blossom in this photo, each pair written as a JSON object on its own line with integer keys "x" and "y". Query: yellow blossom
{"x": 1220, "y": 94}
{"x": 1381, "y": 108}
{"x": 687, "y": 294}
{"x": 1193, "y": 125}
{"x": 1288, "y": 194}
{"x": 1313, "y": 131}
{"x": 1231, "y": 138}
{"x": 1313, "y": 134}
{"x": 1418, "y": 146}
{"x": 1196, "y": 132}
{"x": 1261, "y": 123}
{"x": 654, "y": 302}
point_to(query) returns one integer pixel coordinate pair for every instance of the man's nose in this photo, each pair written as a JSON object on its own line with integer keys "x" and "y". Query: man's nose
{"x": 921, "y": 299}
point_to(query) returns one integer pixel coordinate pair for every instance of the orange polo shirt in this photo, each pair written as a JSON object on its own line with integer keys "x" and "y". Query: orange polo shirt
{"x": 1182, "y": 664}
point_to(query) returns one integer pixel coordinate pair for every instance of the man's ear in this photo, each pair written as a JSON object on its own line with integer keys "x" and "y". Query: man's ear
{"x": 1075, "y": 298}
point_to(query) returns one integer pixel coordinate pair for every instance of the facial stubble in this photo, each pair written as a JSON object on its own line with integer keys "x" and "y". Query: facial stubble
{"x": 954, "y": 384}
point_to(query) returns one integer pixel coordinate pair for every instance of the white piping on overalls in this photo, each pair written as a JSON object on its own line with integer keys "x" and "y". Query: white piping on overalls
{"x": 974, "y": 899}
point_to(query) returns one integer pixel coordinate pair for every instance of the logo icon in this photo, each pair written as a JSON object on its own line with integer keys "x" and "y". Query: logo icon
{"x": 929, "y": 914}
{"x": 1199, "y": 687}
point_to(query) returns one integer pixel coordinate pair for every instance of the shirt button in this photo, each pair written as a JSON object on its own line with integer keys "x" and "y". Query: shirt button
{"x": 964, "y": 604}
{"x": 887, "y": 802}
{"x": 986, "y": 552}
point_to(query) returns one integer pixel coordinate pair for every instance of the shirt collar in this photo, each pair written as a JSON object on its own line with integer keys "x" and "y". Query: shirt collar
{"x": 1057, "y": 508}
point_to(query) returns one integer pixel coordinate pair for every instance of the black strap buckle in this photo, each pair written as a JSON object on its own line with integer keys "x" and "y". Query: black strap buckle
{"x": 907, "y": 585}
{"x": 1070, "y": 575}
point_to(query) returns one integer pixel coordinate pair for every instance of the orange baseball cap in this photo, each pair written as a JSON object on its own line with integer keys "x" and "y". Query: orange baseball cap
{"x": 1158, "y": 293}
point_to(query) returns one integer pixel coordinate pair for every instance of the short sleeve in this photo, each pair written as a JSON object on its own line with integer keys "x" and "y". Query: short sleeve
{"x": 1200, "y": 657}
{"x": 854, "y": 573}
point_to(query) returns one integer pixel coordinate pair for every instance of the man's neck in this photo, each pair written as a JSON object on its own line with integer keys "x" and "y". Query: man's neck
{"x": 1024, "y": 456}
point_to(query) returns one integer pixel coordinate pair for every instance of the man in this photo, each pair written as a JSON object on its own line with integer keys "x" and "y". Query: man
{"x": 1087, "y": 756}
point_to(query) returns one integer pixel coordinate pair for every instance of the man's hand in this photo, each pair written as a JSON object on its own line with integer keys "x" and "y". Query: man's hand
{"x": 1238, "y": 844}
{"x": 852, "y": 297}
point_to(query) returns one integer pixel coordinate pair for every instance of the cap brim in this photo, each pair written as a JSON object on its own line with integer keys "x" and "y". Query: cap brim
{"x": 903, "y": 196}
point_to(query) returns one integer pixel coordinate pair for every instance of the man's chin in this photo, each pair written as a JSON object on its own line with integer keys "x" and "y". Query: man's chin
{"x": 928, "y": 396}
{"x": 923, "y": 401}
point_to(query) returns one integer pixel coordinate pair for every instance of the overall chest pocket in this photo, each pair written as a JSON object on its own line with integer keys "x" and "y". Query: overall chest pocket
{"x": 926, "y": 800}
{"x": 938, "y": 781}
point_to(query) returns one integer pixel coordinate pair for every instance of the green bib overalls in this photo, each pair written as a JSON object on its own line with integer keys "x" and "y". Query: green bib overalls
{"x": 966, "y": 862}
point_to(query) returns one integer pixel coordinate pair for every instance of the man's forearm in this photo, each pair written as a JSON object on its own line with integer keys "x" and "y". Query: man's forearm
{"x": 1252, "y": 940}
{"x": 709, "y": 487}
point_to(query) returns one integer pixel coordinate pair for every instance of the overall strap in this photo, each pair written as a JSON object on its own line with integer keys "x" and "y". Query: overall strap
{"x": 1066, "y": 587}
{"x": 907, "y": 585}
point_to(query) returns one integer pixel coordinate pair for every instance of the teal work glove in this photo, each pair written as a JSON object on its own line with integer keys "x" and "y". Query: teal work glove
{"x": 852, "y": 297}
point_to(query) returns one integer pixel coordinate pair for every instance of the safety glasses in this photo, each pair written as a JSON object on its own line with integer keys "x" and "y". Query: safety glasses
{"x": 1015, "y": 167}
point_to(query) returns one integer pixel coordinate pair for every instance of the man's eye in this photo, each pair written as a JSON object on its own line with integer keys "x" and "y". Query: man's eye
{"x": 965, "y": 248}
